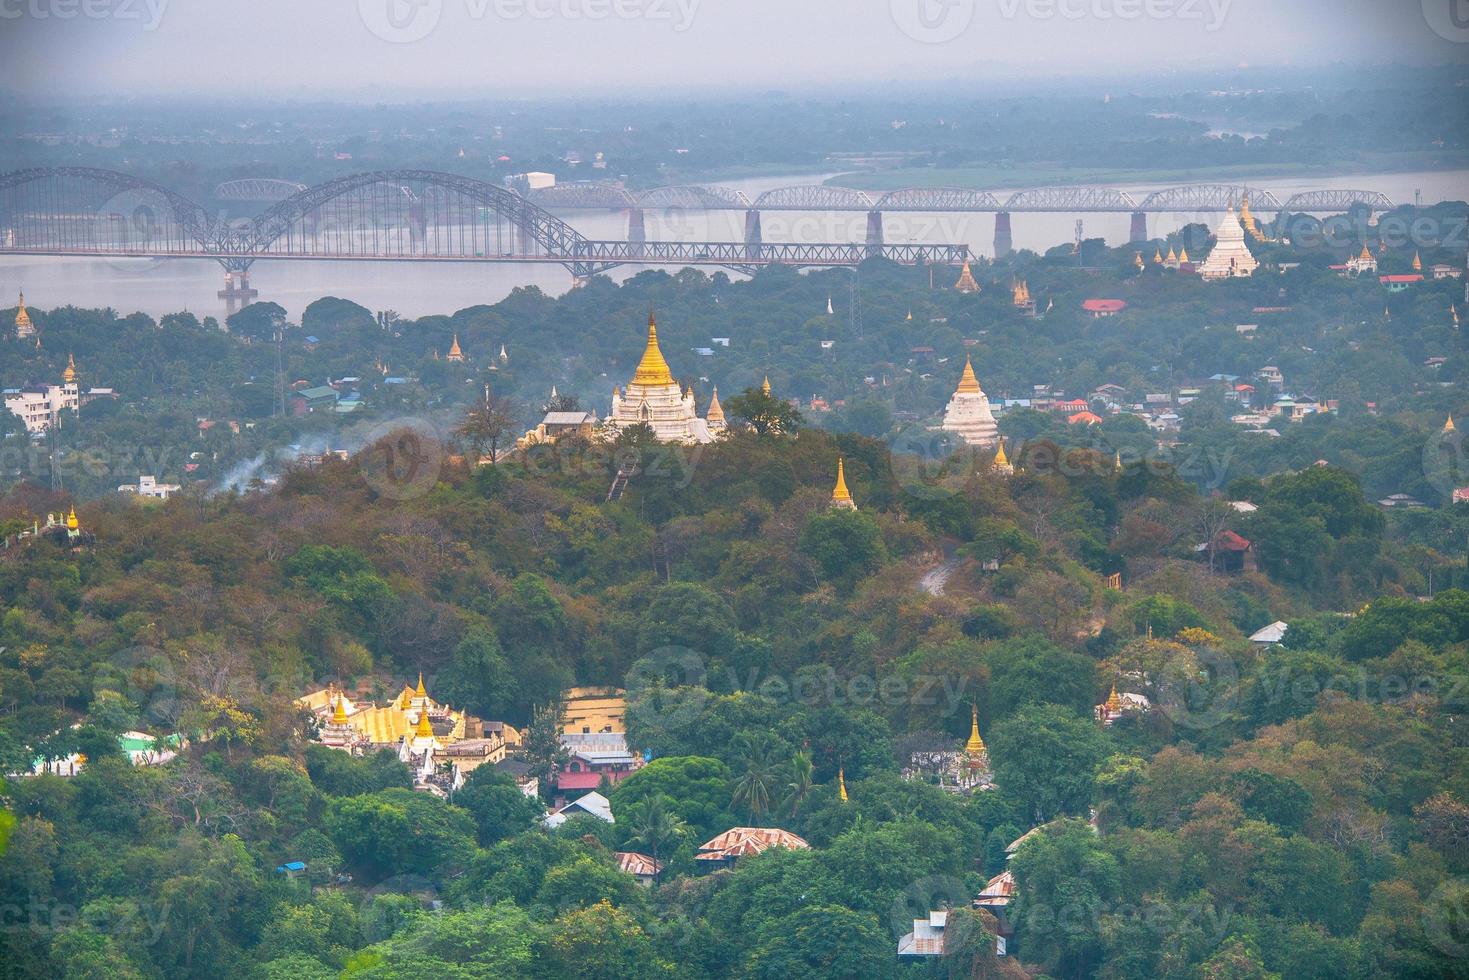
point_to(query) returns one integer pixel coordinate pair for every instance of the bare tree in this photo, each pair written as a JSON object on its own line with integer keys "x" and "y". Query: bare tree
{"x": 491, "y": 419}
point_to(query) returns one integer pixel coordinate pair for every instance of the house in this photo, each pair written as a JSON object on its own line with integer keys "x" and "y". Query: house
{"x": 315, "y": 399}
{"x": 593, "y": 804}
{"x": 927, "y": 937}
{"x": 1402, "y": 501}
{"x": 1398, "y": 283}
{"x": 592, "y": 709}
{"x": 291, "y": 869}
{"x": 1228, "y": 553}
{"x": 640, "y": 866}
{"x": 594, "y": 757}
{"x": 1442, "y": 270}
{"x": 1268, "y": 636}
{"x": 148, "y": 486}
{"x": 1270, "y": 374}
{"x": 1098, "y": 308}
{"x": 558, "y": 424}
{"x": 737, "y": 842}
{"x": 995, "y": 899}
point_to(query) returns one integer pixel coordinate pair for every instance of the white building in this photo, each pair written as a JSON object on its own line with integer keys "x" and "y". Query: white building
{"x": 968, "y": 414}
{"x": 148, "y": 486}
{"x": 654, "y": 398}
{"x": 41, "y": 407}
{"x": 1230, "y": 256}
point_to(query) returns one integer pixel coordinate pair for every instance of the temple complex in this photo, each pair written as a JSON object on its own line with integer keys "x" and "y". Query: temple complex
{"x": 41, "y": 406}
{"x": 968, "y": 415}
{"x": 1230, "y": 256}
{"x": 654, "y": 398}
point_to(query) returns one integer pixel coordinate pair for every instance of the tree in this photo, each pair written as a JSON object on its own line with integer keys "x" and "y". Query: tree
{"x": 483, "y": 426}
{"x": 542, "y": 746}
{"x": 1065, "y": 879}
{"x": 477, "y": 675}
{"x": 604, "y": 943}
{"x": 822, "y": 942}
{"x": 801, "y": 777}
{"x": 695, "y": 789}
{"x": 1047, "y": 757}
{"x": 653, "y": 826}
{"x": 496, "y": 803}
{"x": 397, "y": 831}
{"x": 763, "y": 412}
{"x": 757, "y": 775}
{"x": 258, "y": 321}
{"x": 845, "y": 544}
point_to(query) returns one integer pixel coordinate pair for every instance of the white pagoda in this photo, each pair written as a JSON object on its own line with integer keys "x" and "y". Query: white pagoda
{"x": 968, "y": 414}
{"x": 654, "y": 398}
{"x": 1231, "y": 256}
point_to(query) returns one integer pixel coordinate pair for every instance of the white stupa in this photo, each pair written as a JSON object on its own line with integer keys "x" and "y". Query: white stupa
{"x": 968, "y": 414}
{"x": 654, "y": 397}
{"x": 1230, "y": 256}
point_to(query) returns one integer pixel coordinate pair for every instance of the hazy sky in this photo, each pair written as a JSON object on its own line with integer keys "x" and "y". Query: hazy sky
{"x": 378, "y": 48}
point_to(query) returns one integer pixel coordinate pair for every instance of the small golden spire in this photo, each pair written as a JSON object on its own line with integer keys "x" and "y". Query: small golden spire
{"x": 406, "y": 701}
{"x": 716, "y": 410}
{"x": 1365, "y": 256}
{"x": 1417, "y": 263}
{"x": 424, "y": 729}
{"x": 1000, "y": 458}
{"x": 765, "y": 385}
{"x": 23, "y": 326}
{"x": 968, "y": 383}
{"x": 1114, "y": 703}
{"x": 652, "y": 369}
{"x": 1182, "y": 255}
{"x": 910, "y": 315}
{"x": 1172, "y": 255}
{"x": 1157, "y": 255}
{"x": 975, "y": 745}
{"x": 841, "y": 784}
{"x": 339, "y": 713}
{"x": 421, "y": 692}
{"x": 70, "y": 374}
{"x": 1117, "y": 462}
{"x": 840, "y": 497}
{"x": 455, "y": 353}
{"x": 71, "y": 519}
{"x": 1448, "y": 425}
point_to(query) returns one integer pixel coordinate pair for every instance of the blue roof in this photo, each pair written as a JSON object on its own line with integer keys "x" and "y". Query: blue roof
{"x": 291, "y": 866}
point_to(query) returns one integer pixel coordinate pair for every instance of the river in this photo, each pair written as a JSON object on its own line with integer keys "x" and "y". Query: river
{"x": 156, "y": 287}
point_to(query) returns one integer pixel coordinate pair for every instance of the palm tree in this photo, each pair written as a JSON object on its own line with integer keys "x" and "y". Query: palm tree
{"x": 656, "y": 829}
{"x": 752, "y": 787}
{"x": 802, "y": 774}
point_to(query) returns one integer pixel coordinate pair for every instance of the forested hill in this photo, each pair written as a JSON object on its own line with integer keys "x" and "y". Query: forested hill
{"x": 1297, "y": 811}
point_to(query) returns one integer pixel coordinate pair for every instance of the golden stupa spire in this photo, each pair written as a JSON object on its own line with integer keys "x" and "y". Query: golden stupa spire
{"x": 339, "y": 713}
{"x": 1157, "y": 255}
{"x": 424, "y": 729}
{"x": 1114, "y": 703}
{"x": 1365, "y": 254}
{"x": 406, "y": 701}
{"x": 765, "y": 385}
{"x": 840, "y": 496}
{"x": 652, "y": 369}
{"x": 421, "y": 691}
{"x": 72, "y": 523}
{"x": 1182, "y": 255}
{"x": 841, "y": 784}
{"x": 716, "y": 410}
{"x": 1117, "y": 462}
{"x": 975, "y": 745}
{"x": 1417, "y": 262}
{"x": 968, "y": 383}
{"x": 966, "y": 283}
{"x": 1448, "y": 425}
{"x": 70, "y": 374}
{"x": 455, "y": 353}
{"x": 1000, "y": 458}
{"x": 23, "y": 325}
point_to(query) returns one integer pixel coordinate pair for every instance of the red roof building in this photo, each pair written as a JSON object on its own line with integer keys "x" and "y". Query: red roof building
{"x": 1103, "y": 307}
{"x": 738, "y": 842}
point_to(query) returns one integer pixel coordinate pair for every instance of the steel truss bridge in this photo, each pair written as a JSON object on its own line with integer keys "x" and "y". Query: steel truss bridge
{"x": 394, "y": 215}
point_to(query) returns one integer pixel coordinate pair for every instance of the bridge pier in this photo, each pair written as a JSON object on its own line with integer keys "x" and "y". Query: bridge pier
{"x": 637, "y": 231}
{"x": 1003, "y": 242}
{"x": 753, "y": 239}
{"x": 1139, "y": 230}
{"x": 237, "y": 292}
{"x": 874, "y": 233}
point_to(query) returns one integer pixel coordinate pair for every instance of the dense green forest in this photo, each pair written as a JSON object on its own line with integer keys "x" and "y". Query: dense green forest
{"x": 1298, "y": 811}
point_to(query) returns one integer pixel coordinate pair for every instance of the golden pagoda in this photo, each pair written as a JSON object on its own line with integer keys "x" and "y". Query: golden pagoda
{"x": 69, "y": 376}
{"x": 1182, "y": 255}
{"x": 1172, "y": 260}
{"x": 715, "y": 413}
{"x": 1002, "y": 462}
{"x": 975, "y": 746}
{"x": 1417, "y": 262}
{"x": 841, "y": 498}
{"x": 1247, "y": 221}
{"x": 72, "y": 524}
{"x": 765, "y": 385}
{"x": 1020, "y": 294}
{"x": 966, "y": 283}
{"x": 23, "y": 326}
{"x": 652, "y": 369}
{"x": 968, "y": 413}
{"x": 339, "y": 712}
{"x": 841, "y": 784}
{"x": 653, "y": 398}
{"x": 1157, "y": 255}
{"x": 455, "y": 353}
{"x": 423, "y": 729}
{"x": 1448, "y": 425}
{"x": 1114, "y": 703}
{"x": 421, "y": 691}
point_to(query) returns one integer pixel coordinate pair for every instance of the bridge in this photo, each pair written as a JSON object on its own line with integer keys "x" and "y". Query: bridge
{"x": 391, "y": 215}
